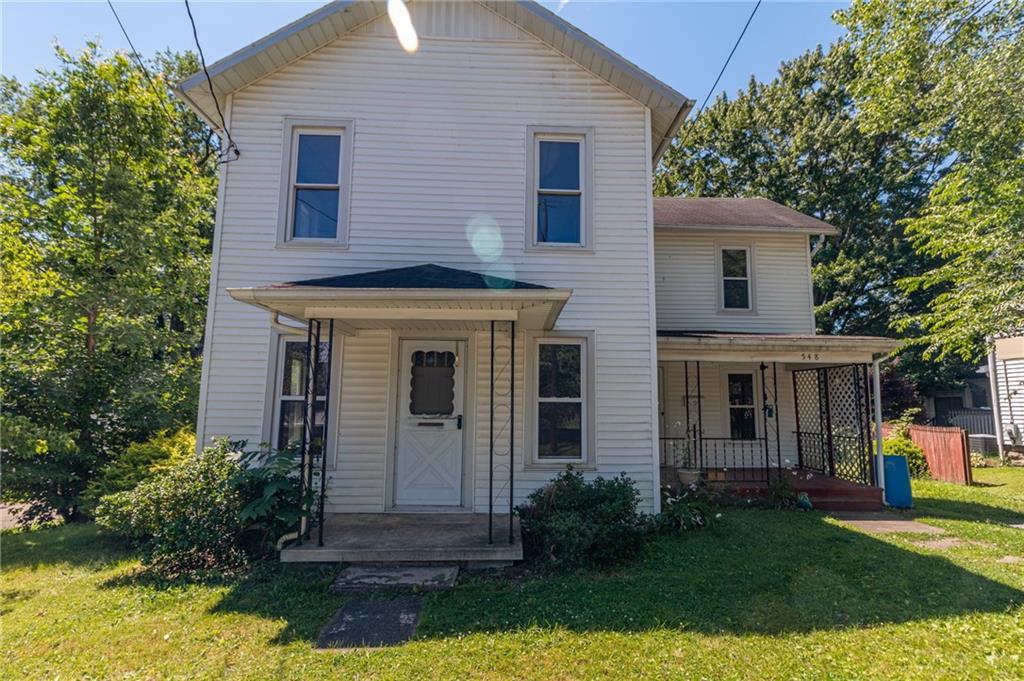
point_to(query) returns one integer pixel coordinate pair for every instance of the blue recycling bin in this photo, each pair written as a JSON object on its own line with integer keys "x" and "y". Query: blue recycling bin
{"x": 897, "y": 482}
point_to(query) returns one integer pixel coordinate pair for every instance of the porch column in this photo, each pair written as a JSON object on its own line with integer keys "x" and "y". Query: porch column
{"x": 876, "y": 366}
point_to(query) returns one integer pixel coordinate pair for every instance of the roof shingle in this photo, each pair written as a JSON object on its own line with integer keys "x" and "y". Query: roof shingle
{"x": 685, "y": 211}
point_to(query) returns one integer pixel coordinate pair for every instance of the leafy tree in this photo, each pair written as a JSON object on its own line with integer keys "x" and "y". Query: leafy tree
{"x": 107, "y": 189}
{"x": 951, "y": 71}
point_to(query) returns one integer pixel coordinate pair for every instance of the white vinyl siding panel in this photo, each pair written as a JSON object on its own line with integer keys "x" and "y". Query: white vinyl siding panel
{"x": 439, "y": 147}
{"x": 1010, "y": 384}
{"x": 688, "y": 288}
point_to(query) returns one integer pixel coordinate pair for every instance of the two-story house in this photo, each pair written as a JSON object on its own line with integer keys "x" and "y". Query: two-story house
{"x": 462, "y": 224}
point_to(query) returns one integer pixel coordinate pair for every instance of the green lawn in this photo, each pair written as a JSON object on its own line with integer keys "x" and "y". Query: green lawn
{"x": 764, "y": 594}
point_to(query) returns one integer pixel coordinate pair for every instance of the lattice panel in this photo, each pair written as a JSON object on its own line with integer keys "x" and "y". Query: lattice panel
{"x": 832, "y": 421}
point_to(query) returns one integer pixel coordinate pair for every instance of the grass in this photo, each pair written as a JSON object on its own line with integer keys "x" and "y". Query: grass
{"x": 763, "y": 594}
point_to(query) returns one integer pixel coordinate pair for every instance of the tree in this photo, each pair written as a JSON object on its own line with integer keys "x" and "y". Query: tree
{"x": 796, "y": 140}
{"x": 108, "y": 194}
{"x": 952, "y": 71}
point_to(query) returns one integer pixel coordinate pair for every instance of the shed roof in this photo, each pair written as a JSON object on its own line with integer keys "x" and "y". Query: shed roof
{"x": 737, "y": 213}
{"x": 328, "y": 23}
{"x": 415, "y": 277}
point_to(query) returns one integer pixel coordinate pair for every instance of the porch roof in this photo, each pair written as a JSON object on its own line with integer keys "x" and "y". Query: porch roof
{"x": 422, "y": 296}
{"x": 771, "y": 347}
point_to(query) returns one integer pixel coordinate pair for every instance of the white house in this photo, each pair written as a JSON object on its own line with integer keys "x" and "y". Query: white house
{"x": 1006, "y": 372}
{"x": 466, "y": 231}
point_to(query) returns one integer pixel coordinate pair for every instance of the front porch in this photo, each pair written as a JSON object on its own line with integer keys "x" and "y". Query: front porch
{"x": 752, "y": 409}
{"x": 412, "y": 538}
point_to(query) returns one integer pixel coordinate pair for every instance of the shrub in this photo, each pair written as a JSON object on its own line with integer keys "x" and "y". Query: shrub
{"x": 269, "y": 481}
{"x": 572, "y": 523}
{"x": 43, "y": 468}
{"x": 904, "y": 446}
{"x": 681, "y": 512}
{"x": 138, "y": 462}
{"x": 185, "y": 518}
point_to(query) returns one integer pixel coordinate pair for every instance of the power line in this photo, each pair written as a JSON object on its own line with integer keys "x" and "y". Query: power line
{"x": 724, "y": 66}
{"x": 142, "y": 65}
{"x": 232, "y": 147}
{"x": 964, "y": 23}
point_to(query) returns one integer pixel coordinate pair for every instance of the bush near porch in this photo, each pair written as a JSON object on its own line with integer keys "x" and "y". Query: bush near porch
{"x": 761, "y": 594}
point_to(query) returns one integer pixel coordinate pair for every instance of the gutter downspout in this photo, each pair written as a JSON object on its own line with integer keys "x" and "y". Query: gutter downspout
{"x": 997, "y": 416}
{"x": 876, "y": 366}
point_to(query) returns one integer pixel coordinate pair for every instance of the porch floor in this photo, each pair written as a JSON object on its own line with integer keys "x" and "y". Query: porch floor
{"x": 409, "y": 538}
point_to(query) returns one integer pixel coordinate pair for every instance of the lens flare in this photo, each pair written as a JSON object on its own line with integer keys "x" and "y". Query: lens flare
{"x": 400, "y": 19}
{"x": 484, "y": 237}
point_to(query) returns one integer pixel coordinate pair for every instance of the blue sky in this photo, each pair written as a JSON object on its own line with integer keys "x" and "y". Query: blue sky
{"x": 682, "y": 43}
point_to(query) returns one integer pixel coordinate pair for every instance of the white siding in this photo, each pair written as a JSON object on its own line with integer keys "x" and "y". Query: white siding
{"x": 356, "y": 483}
{"x": 1010, "y": 384}
{"x": 687, "y": 285}
{"x": 439, "y": 148}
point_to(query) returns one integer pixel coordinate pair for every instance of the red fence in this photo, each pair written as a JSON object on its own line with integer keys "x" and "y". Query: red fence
{"x": 945, "y": 448}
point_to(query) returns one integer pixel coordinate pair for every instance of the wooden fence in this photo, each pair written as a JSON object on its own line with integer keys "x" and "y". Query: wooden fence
{"x": 945, "y": 447}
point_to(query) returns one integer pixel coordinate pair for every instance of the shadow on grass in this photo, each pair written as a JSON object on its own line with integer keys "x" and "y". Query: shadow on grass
{"x": 953, "y": 509}
{"x": 758, "y": 572}
{"x": 754, "y": 572}
{"x": 73, "y": 544}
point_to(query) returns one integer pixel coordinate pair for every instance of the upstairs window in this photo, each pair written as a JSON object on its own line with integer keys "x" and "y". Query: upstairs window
{"x": 316, "y": 191}
{"x": 735, "y": 268}
{"x": 559, "y": 213}
{"x": 315, "y": 184}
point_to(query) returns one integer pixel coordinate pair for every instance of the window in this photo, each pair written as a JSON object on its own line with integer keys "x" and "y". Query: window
{"x": 735, "y": 269}
{"x": 315, "y": 183}
{"x": 561, "y": 416}
{"x": 742, "y": 409}
{"x": 432, "y": 385}
{"x": 291, "y": 387}
{"x": 559, "y": 213}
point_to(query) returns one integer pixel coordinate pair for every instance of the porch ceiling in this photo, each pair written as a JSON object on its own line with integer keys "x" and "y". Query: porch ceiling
{"x": 803, "y": 349}
{"x": 405, "y": 308}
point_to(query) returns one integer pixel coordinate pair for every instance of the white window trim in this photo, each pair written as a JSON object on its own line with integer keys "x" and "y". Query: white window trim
{"x": 275, "y": 374}
{"x": 727, "y": 408}
{"x": 748, "y": 247}
{"x": 586, "y": 340}
{"x": 289, "y": 157}
{"x": 585, "y": 136}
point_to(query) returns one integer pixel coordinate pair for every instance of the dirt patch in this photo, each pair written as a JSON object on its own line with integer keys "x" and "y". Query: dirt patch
{"x": 1011, "y": 560}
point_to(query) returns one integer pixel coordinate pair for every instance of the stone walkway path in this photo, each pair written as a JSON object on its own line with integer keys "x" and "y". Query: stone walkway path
{"x": 367, "y": 622}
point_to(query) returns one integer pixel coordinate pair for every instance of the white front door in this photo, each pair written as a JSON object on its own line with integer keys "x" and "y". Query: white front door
{"x": 428, "y": 456}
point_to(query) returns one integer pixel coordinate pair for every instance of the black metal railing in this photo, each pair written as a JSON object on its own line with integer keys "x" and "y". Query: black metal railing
{"x": 721, "y": 458}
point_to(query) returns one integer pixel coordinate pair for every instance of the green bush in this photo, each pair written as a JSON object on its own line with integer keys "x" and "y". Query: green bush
{"x": 572, "y": 523}
{"x": 138, "y": 462}
{"x": 43, "y": 468}
{"x": 269, "y": 481}
{"x": 187, "y": 517}
{"x": 682, "y": 512}
{"x": 904, "y": 446}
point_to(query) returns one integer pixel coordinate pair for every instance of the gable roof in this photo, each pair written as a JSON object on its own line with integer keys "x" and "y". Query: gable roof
{"x": 322, "y": 26}
{"x": 415, "y": 277}
{"x": 754, "y": 214}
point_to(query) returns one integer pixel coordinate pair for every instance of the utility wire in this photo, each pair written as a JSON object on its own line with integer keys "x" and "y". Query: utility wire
{"x": 722, "y": 71}
{"x": 232, "y": 147}
{"x": 964, "y": 23}
{"x": 135, "y": 53}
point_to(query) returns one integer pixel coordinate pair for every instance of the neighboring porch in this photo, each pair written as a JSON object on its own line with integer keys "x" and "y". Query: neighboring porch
{"x": 748, "y": 410}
